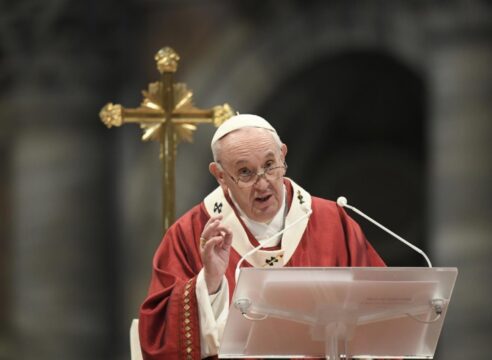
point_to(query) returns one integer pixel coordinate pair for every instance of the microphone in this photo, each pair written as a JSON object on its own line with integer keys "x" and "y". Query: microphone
{"x": 342, "y": 202}
{"x": 269, "y": 241}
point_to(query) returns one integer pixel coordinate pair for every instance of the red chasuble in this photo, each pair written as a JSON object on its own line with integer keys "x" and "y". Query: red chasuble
{"x": 168, "y": 324}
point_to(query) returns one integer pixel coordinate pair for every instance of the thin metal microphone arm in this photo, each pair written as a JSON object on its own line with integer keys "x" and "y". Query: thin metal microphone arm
{"x": 342, "y": 201}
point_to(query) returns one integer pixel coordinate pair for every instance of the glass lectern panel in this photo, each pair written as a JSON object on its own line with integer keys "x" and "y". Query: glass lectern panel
{"x": 351, "y": 312}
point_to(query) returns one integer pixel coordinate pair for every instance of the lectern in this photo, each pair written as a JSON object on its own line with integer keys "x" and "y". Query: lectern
{"x": 334, "y": 313}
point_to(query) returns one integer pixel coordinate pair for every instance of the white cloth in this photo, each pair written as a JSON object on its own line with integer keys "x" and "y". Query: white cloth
{"x": 212, "y": 315}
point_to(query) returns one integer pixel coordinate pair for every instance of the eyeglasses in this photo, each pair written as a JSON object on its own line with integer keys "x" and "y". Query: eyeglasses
{"x": 248, "y": 178}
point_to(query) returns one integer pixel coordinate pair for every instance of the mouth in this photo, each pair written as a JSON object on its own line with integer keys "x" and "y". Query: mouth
{"x": 263, "y": 199}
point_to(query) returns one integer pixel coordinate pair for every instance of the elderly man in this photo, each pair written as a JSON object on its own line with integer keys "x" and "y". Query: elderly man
{"x": 193, "y": 269}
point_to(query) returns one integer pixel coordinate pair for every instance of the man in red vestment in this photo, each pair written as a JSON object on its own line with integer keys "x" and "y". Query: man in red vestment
{"x": 193, "y": 269}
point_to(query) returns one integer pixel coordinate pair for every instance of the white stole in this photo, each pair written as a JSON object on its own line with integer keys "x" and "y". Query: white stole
{"x": 217, "y": 204}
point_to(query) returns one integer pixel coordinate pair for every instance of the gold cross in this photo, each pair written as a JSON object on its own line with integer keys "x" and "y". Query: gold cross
{"x": 167, "y": 115}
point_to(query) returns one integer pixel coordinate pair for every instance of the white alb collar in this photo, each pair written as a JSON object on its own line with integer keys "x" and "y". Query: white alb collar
{"x": 262, "y": 231}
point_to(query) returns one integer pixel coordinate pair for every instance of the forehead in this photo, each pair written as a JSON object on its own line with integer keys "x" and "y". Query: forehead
{"x": 248, "y": 145}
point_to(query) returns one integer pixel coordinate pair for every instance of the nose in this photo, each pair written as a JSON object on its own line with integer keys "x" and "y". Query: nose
{"x": 261, "y": 182}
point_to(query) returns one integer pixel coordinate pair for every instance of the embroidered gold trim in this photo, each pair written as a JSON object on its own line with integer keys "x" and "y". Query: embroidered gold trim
{"x": 187, "y": 321}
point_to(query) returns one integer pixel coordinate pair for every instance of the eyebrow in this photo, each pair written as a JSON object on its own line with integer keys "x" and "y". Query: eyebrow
{"x": 268, "y": 155}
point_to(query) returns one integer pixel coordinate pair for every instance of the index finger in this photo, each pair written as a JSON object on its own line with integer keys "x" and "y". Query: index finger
{"x": 212, "y": 219}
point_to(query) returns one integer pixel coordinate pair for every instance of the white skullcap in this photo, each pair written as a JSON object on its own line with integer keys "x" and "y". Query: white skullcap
{"x": 238, "y": 122}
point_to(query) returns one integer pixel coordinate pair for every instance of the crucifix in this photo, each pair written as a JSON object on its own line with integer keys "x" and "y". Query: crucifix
{"x": 167, "y": 115}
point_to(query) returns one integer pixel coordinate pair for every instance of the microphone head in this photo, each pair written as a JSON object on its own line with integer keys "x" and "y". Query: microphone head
{"x": 342, "y": 201}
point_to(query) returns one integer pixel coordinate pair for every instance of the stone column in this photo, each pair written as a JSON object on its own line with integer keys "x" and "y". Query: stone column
{"x": 460, "y": 71}
{"x": 5, "y": 240}
{"x": 61, "y": 264}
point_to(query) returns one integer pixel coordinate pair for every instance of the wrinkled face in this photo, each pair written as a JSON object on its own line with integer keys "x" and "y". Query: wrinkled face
{"x": 251, "y": 150}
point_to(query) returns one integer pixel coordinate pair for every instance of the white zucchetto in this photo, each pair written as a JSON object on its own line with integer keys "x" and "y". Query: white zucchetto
{"x": 238, "y": 122}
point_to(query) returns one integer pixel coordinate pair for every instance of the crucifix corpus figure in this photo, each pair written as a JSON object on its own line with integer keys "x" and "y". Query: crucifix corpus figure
{"x": 167, "y": 115}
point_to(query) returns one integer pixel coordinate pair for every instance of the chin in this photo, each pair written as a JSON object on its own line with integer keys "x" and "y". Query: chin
{"x": 264, "y": 216}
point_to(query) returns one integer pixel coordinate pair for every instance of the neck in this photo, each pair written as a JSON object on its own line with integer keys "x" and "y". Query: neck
{"x": 267, "y": 222}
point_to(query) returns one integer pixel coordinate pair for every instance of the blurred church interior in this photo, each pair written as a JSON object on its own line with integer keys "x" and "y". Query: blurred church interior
{"x": 388, "y": 103}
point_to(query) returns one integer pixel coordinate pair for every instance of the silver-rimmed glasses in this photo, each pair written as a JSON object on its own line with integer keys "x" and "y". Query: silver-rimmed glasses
{"x": 248, "y": 178}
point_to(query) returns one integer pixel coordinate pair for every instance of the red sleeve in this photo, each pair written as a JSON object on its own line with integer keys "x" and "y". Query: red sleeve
{"x": 360, "y": 251}
{"x": 168, "y": 325}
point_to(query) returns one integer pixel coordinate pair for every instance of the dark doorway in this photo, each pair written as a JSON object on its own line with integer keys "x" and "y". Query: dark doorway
{"x": 354, "y": 124}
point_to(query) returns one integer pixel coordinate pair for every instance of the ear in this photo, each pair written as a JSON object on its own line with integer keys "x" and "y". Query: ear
{"x": 283, "y": 149}
{"x": 218, "y": 175}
